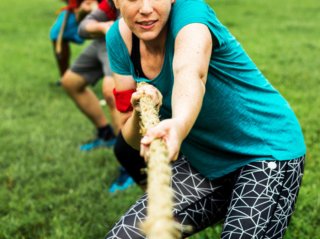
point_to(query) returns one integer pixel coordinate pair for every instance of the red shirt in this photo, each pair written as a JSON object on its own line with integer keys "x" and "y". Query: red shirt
{"x": 108, "y": 10}
{"x": 72, "y": 4}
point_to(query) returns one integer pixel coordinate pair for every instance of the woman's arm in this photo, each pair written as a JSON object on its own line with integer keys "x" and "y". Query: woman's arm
{"x": 193, "y": 47}
{"x": 130, "y": 129}
{"x": 123, "y": 83}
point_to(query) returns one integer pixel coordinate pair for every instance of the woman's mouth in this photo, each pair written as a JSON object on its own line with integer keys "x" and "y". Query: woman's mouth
{"x": 147, "y": 25}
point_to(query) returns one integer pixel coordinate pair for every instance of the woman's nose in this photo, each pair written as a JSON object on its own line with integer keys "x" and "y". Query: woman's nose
{"x": 146, "y": 7}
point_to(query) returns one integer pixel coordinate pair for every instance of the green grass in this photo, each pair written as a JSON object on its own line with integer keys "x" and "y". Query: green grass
{"x": 49, "y": 189}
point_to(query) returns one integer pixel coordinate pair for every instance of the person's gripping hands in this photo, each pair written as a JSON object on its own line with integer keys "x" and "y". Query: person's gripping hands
{"x": 168, "y": 129}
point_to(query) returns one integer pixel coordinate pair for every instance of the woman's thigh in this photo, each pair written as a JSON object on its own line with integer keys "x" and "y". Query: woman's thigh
{"x": 199, "y": 202}
{"x": 263, "y": 199}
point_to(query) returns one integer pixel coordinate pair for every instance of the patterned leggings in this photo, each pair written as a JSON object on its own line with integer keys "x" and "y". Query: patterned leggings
{"x": 256, "y": 201}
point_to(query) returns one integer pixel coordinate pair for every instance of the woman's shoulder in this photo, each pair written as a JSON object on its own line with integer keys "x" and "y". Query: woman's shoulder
{"x": 185, "y": 12}
{"x": 118, "y": 46}
{"x": 186, "y": 7}
{"x": 125, "y": 33}
{"x": 119, "y": 33}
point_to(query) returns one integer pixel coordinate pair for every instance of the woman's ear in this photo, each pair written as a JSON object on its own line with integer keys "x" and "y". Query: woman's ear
{"x": 173, "y": 1}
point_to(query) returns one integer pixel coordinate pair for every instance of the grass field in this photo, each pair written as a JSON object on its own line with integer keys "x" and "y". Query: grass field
{"x": 51, "y": 190}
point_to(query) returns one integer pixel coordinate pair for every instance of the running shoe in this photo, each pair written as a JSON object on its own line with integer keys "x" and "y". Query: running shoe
{"x": 123, "y": 182}
{"x": 98, "y": 143}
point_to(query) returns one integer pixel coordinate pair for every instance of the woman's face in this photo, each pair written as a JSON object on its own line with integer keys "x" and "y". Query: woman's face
{"x": 145, "y": 18}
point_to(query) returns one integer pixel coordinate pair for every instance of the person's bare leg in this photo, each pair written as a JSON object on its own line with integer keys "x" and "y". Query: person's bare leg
{"x": 63, "y": 58}
{"x": 76, "y": 86}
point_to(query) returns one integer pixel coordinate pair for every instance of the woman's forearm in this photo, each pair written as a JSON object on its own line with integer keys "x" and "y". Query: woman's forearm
{"x": 131, "y": 130}
{"x": 186, "y": 104}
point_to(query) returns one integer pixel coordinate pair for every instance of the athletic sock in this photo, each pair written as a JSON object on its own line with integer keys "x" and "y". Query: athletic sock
{"x": 105, "y": 132}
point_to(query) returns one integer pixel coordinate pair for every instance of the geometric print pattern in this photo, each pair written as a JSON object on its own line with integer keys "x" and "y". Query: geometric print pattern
{"x": 255, "y": 201}
{"x": 263, "y": 199}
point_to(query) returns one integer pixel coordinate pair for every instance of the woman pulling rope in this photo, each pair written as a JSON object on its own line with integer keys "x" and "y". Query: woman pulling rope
{"x": 237, "y": 147}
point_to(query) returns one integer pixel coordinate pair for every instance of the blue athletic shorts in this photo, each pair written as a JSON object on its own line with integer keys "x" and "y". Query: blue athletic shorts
{"x": 70, "y": 31}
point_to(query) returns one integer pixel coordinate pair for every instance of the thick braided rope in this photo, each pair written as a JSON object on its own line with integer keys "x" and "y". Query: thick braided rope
{"x": 160, "y": 223}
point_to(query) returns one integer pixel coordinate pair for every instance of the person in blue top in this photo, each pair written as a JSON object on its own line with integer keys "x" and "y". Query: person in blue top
{"x": 67, "y": 24}
{"x": 236, "y": 145}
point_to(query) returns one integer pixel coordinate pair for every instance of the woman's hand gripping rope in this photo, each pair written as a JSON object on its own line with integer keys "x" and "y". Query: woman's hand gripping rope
{"x": 153, "y": 128}
{"x": 160, "y": 223}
